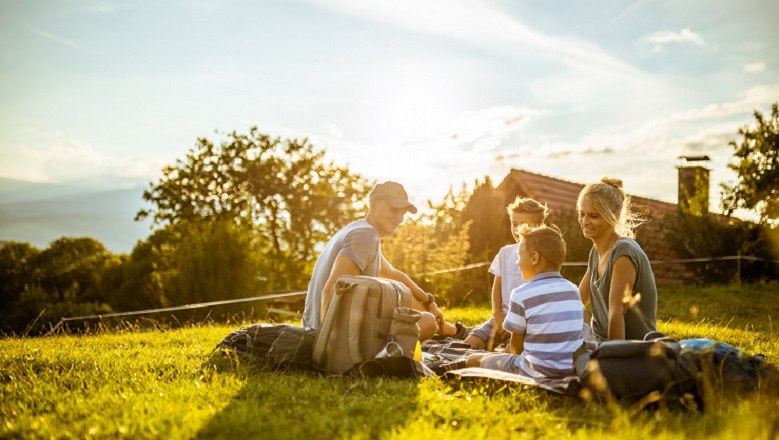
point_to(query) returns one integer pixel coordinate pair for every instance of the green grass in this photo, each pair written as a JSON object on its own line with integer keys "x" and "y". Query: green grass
{"x": 171, "y": 385}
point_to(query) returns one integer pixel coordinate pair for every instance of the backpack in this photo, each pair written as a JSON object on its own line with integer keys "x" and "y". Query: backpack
{"x": 629, "y": 370}
{"x": 357, "y": 323}
{"x": 279, "y": 344}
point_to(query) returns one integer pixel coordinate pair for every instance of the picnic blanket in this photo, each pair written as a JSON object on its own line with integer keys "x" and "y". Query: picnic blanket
{"x": 568, "y": 386}
{"x": 287, "y": 346}
{"x": 447, "y": 358}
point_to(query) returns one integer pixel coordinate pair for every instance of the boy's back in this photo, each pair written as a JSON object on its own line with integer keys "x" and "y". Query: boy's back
{"x": 549, "y": 311}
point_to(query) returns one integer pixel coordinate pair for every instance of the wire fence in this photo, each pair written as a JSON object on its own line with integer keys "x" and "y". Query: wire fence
{"x": 301, "y": 293}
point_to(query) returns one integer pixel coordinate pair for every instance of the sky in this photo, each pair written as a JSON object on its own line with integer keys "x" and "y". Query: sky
{"x": 429, "y": 93}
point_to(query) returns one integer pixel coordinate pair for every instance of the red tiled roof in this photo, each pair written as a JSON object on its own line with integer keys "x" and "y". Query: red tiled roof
{"x": 561, "y": 194}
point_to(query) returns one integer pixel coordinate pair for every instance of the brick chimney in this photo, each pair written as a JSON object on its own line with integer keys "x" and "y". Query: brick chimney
{"x": 693, "y": 190}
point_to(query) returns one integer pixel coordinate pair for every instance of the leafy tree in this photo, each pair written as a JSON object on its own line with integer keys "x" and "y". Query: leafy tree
{"x": 447, "y": 215}
{"x": 486, "y": 211}
{"x": 284, "y": 189}
{"x": 16, "y": 271}
{"x": 213, "y": 260}
{"x": 71, "y": 269}
{"x": 417, "y": 249}
{"x": 62, "y": 280}
{"x": 137, "y": 280}
{"x": 757, "y": 165}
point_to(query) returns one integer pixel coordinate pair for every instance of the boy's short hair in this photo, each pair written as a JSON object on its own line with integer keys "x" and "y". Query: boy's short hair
{"x": 528, "y": 205}
{"x": 547, "y": 241}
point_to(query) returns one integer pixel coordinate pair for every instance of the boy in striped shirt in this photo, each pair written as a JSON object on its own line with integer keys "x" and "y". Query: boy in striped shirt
{"x": 545, "y": 315}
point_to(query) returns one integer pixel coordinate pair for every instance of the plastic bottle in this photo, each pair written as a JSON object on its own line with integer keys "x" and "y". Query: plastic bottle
{"x": 418, "y": 352}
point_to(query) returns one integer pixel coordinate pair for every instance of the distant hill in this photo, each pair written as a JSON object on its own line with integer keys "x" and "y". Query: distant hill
{"x": 39, "y": 213}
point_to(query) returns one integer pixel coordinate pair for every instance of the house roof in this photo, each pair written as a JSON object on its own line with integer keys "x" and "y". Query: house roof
{"x": 561, "y": 195}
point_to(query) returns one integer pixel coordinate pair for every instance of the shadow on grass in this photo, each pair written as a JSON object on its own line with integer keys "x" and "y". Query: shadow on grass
{"x": 278, "y": 404}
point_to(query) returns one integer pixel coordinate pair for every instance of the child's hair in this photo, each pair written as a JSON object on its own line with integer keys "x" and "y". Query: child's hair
{"x": 613, "y": 205}
{"x": 547, "y": 241}
{"x": 528, "y": 205}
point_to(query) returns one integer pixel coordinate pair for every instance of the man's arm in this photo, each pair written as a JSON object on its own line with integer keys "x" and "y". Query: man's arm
{"x": 388, "y": 271}
{"x": 623, "y": 276}
{"x": 341, "y": 266}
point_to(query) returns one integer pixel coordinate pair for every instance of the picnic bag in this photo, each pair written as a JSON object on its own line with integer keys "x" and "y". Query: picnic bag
{"x": 279, "y": 344}
{"x": 357, "y": 323}
{"x": 632, "y": 369}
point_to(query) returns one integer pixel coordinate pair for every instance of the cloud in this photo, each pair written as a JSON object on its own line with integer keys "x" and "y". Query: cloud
{"x": 750, "y": 100}
{"x": 586, "y": 152}
{"x": 71, "y": 160}
{"x": 480, "y": 23}
{"x": 493, "y": 121}
{"x": 684, "y": 36}
{"x": 709, "y": 140}
{"x": 54, "y": 38}
{"x": 333, "y": 130}
{"x": 659, "y": 139}
{"x": 758, "y": 67}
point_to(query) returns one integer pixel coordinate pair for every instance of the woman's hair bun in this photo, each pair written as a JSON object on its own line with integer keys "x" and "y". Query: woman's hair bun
{"x": 616, "y": 183}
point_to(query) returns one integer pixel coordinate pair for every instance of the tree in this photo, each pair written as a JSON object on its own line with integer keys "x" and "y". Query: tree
{"x": 16, "y": 276}
{"x": 417, "y": 249}
{"x": 139, "y": 286}
{"x": 213, "y": 260}
{"x": 71, "y": 269}
{"x": 486, "y": 211}
{"x": 16, "y": 271}
{"x": 64, "y": 279}
{"x": 757, "y": 165}
{"x": 284, "y": 189}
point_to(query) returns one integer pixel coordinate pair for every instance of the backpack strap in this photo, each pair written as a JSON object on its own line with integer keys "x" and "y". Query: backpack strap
{"x": 325, "y": 330}
{"x": 356, "y": 316}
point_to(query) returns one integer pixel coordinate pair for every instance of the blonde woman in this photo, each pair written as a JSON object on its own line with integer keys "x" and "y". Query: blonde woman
{"x": 619, "y": 282}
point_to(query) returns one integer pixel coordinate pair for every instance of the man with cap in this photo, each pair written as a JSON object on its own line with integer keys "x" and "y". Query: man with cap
{"x": 356, "y": 250}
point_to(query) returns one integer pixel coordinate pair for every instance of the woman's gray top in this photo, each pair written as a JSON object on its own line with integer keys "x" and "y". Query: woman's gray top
{"x": 640, "y": 316}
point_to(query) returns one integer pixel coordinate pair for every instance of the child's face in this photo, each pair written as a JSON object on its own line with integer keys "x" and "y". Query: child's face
{"x": 520, "y": 218}
{"x": 527, "y": 265}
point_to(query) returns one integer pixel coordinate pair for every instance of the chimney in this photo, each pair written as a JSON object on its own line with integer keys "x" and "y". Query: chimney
{"x": 693, "y": 192}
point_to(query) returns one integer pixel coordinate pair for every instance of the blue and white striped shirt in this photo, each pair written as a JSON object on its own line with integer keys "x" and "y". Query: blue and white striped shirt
{"x": 548, "y": 310}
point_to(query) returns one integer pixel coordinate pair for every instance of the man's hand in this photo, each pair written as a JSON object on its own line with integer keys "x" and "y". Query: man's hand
{"x": 439, "y": 316}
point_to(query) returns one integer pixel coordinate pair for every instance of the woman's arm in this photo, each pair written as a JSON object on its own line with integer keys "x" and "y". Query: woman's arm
{"x": 623, "y": 277}
{"x": 584, "y": 288}
{"x": 584, "y": 292}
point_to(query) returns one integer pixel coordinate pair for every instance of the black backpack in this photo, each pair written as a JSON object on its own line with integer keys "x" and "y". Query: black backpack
{"x": 639, "y": 371}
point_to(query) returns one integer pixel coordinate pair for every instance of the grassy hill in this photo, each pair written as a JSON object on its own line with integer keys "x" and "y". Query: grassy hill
{"x": 171, "y": 385}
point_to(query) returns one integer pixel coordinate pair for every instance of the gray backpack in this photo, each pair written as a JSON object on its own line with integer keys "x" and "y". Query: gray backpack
{"x": 357, "y": 325}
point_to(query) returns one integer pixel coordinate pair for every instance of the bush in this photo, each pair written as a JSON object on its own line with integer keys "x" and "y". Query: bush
{"x": 707, "y": 236}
